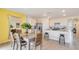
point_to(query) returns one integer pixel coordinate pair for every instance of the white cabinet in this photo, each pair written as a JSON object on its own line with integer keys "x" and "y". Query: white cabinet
{"x": 53, "y": 35}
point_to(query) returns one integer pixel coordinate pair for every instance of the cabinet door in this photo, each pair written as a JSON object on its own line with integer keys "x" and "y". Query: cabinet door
{"x": 54, "y": 35}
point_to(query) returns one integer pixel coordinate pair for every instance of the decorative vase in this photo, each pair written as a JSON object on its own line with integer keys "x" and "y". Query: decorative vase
{"x": 26, "y": 30}
{"x": 29, "y": 30}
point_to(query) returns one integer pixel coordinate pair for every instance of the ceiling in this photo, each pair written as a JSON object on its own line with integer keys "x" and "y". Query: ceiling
{"x": 53, "y": 12}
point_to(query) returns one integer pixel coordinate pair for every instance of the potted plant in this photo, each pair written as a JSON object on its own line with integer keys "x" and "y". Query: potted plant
{"x": 11, "y": 26}
{"x": 26, "y": 26}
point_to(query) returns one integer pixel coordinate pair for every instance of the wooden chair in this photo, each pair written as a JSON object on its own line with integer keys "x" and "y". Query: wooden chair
{"x": 38, "y": 40}
{"x": 12, "y": 40}
{"x": 22, "y": 43}
{"x": 18, "y": 41}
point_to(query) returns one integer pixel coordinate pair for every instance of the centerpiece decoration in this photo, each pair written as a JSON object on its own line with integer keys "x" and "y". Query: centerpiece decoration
{"x": 27, "y": 27}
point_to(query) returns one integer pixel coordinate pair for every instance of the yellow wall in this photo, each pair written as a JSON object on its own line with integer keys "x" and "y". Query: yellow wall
{"x": 4, "y": 23}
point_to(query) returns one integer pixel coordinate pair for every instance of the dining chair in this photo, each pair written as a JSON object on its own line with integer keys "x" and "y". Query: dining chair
{"x": 16, "y": 41}
{"x": 38, "y": 40}
{"x": 19, "y": 41}
{"x": 12, "y": 39}
{"x": 22, "y": 43}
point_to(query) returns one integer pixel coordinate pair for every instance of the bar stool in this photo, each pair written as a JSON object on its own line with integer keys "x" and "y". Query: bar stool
{"x": 61, "y": 38}
{"x": 46, "y": 35}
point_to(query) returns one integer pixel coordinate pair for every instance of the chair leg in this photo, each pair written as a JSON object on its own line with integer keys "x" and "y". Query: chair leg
{"x": 13, "y": 45}
{"x": 17, "y": 47}
{"x": 59, "y": 40}
{"x": 29, "y": 46}
{"x": 35, "y": 47}
{"x": 25, "y": 46}
{"x": 40, "y": 46}
{"x": 64, "y": 41}
{"x": 20, "y": 47}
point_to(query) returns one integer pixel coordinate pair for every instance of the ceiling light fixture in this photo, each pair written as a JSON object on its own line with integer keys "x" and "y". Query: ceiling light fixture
{"x": 63, "y": 10}
{"x": 45, "y": 14}
{"x": 64, "y": 14}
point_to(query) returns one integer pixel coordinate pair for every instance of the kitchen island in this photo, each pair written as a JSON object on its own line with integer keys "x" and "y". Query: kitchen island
{"x": 55, "y": 34}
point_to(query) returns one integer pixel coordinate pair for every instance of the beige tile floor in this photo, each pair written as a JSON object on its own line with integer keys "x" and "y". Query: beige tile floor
{"x": 47, "y": 45}
{"x": 54, "y": 45}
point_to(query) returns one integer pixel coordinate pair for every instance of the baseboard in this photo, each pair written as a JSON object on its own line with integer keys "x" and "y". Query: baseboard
{"x": 4, "y": 42}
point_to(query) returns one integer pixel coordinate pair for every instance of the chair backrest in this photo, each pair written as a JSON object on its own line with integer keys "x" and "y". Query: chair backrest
{"x": 15, "y": 36}
{"x": 13, "y": 31}
{"x": 12, "y": 34}
{"x": 38, "y": 39}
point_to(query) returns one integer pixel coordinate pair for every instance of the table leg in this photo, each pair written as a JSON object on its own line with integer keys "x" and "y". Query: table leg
{"x": 28, "y": 44}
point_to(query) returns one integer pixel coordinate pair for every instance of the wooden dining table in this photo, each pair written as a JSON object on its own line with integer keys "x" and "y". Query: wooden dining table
{"x": 28, "y": 37}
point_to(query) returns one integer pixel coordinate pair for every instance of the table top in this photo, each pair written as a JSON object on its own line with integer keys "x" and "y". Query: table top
{"x": 28, "y": 36}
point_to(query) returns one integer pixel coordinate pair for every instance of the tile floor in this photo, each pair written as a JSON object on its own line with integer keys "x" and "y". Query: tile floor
{"x": 47, "y": 45}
